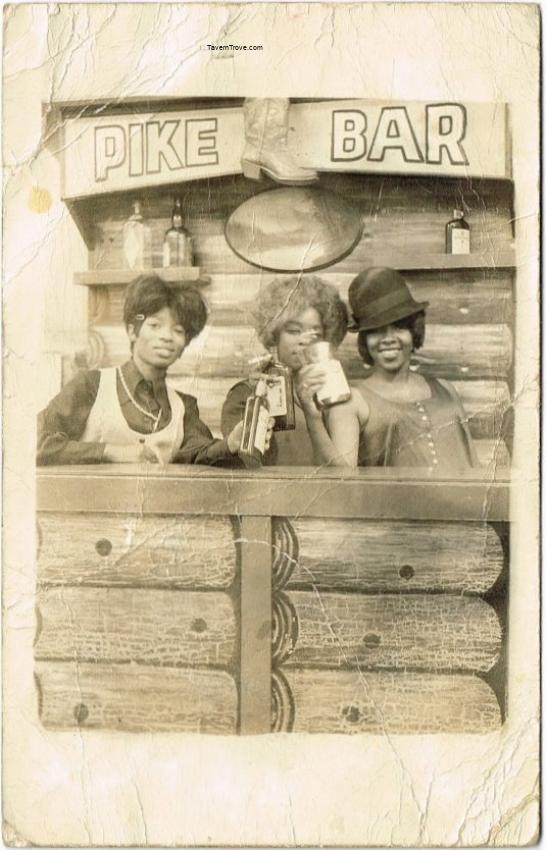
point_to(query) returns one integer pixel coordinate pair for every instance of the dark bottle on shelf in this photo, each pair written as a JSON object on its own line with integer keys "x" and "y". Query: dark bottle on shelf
{"x": 177, "y": 244}
{"x": 255, "y": 424}
{"x": 457, "y": 234}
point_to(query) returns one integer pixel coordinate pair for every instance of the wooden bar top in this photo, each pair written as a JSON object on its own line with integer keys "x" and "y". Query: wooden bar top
{"x": 290, "y": 491}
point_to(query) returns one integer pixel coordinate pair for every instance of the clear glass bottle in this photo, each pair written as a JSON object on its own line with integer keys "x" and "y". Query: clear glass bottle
{"x": 255, "y": 424}
{"x": 457, "y": 234}
{"x": 177, "y": 244}
{"x": 137, "y": 241}
{"x": 335, "y": 389}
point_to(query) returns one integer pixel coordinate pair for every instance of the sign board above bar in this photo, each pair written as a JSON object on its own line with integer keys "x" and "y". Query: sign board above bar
{"x": 113, "y": 153}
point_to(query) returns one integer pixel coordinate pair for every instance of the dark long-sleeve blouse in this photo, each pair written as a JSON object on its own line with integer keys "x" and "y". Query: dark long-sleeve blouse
{"x": 62, "y": 423}
{"x": 287, "y": 448}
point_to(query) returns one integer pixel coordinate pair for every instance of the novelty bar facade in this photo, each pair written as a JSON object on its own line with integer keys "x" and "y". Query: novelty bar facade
{"x": 287, "y": 599}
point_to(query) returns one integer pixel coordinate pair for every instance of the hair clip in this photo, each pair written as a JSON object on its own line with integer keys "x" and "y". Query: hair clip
{"x": 140, "y": 317}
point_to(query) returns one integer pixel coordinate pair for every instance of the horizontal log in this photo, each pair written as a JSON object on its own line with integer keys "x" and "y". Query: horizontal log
{"x": 455, "y": 296}
{"x": 431, "y": 632}
{"x": 144, "y": 699}
{"x": 133, "y": 698}
{"x": 450, "y": 351}
{"x": 492, "y": 454}
{"x": 136, "y": 550}
{"x": 377, "y": 247}
{"x": 458, "y": 296}
{"x": 485, "y": 402}
{"x": 160, "y": 627}
{"x": 401, "y": 215}
{"x": 391, "y": 703}
{"x": 396, "y": 556}
{"x": 387, "y": 232}
{"x": 216, "y": 352}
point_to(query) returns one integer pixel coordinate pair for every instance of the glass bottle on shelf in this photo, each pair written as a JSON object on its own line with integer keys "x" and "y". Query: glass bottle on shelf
{"x": 177, "y": 244}
{"x": 255, "y": 424}
{"x": 457, "y": 234}
{"x": 137, "y": 240}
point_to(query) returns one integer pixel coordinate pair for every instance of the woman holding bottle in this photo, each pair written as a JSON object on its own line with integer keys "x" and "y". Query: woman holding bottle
{"x": 290, "y": 313}
{"x": 396, "y": 417}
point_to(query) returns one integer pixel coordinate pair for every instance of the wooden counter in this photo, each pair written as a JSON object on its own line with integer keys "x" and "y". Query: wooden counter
{"x": 291, "y": 491}
{"x": 301, "y": 599}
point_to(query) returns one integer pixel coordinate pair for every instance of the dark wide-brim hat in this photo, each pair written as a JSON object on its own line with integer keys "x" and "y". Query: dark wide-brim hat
{"x": 379, "y": 297}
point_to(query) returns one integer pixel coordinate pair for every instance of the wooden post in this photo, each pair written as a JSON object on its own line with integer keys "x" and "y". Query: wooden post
{"x": 255, "y": 682}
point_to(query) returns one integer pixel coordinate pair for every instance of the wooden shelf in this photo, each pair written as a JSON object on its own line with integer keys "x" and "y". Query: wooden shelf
{"x": 422, "y": 262}
{"x": 108, "y": 277}
{"x": 404, "y": 262}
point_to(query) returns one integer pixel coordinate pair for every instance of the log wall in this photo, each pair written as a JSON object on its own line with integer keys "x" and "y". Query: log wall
{"x": 136, "y": 698}
{"x": 470, "y": 320}
{"x": 458, "y": 557}
{"x": 136, "y": 550}
{"x": 372, "y": 612}
{"x": 239, "y": 623}
{"x": 391, "y": 703}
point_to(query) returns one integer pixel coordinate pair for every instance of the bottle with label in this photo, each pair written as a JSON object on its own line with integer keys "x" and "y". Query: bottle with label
{"x": 137, "y": 241}
{"x": 177, "y": 244}
{"x": 335, "y": 388}
{"x": 280, "y": 389}
{"x": 255, "y": 424}
{"x": 280, "y": 395}
{"x": 457, "y": 234}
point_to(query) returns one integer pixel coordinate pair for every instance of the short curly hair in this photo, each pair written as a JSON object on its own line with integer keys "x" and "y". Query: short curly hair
{"x": 415, "y": 324}
{"x": 286, "y": 297}
{"x": 148, "y": 294}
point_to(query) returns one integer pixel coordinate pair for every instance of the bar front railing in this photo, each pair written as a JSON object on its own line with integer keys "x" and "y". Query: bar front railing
{"x": 302, "y": 582}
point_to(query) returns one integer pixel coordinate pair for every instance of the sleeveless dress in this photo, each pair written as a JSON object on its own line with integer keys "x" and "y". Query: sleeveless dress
{"x": 432, "y": 433}
{"x": 107, "y": 424}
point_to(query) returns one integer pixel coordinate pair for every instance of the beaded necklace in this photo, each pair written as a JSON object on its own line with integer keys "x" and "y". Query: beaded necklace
{"x": 134, "y": 402}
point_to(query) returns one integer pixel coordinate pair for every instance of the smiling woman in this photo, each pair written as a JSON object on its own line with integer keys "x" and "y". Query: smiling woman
{"x": 289, "y": 313}
{"x": 396, "y": 417}
{"x": 130, "y": 414}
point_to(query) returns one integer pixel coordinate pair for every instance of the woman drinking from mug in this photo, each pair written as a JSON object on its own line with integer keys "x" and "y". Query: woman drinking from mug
{"x": 396, "y": 417}
{"x": 289, "y": 313}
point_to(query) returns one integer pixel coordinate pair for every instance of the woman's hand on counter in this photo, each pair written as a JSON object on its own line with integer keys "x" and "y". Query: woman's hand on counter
{"x": 133, "y": 453}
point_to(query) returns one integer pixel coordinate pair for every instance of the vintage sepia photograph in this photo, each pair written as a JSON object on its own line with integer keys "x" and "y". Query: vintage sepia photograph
{"x": 277, "y": 423}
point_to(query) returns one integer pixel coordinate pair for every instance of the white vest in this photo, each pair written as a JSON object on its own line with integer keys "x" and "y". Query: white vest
{"x": 106, "y": 423}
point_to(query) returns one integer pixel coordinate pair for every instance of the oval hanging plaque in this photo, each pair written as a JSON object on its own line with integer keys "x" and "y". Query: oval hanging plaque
{"x": 294, "y": 229}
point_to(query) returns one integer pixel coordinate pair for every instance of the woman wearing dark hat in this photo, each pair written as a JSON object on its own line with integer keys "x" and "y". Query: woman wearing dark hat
{"x": 396, "y": 417}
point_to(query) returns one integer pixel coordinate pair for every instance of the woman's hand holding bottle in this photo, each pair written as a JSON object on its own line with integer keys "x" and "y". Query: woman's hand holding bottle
{"x": 234, "y": 439}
